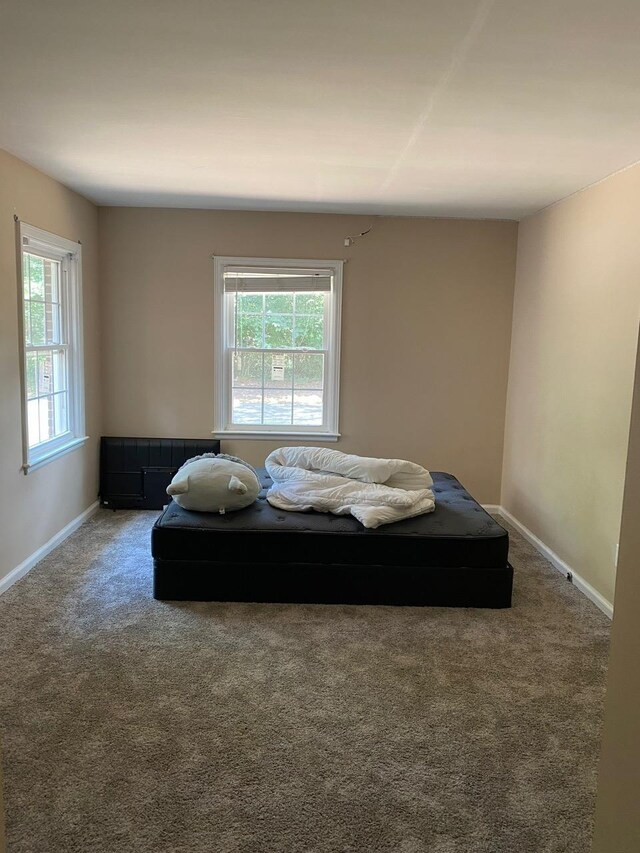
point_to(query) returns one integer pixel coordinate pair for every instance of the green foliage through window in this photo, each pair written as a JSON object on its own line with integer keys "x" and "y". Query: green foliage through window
{"x": 280, "y": 320}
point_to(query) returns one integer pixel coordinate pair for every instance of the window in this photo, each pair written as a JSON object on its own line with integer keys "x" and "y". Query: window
{"x": 277, "y": 347}
{"x": 53, "y": 388}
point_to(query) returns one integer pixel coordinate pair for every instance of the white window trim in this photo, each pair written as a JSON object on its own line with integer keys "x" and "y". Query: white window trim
{"x": 223, "y": 427}
{"x": 51, "y": 245}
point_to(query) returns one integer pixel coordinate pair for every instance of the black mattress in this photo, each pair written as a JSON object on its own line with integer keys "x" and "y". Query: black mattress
{"x": 454, "y": 556}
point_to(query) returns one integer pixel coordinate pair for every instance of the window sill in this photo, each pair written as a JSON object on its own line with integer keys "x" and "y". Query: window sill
{"x": 296, "y": 436}
{"x": 62, "y": 450}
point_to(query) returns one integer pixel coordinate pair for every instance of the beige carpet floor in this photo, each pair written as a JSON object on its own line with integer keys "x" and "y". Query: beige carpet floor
{"x": 135, "y": 725}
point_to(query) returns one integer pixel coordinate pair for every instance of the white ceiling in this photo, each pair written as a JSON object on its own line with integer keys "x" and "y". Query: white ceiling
{"x": 491, "y": 108}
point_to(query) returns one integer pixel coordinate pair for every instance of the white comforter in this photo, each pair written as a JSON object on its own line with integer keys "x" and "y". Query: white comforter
{"x": 375, "y": 491}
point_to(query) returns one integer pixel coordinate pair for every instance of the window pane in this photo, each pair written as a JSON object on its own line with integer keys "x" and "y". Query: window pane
{"x": 247, "y": 406}
{"x": 45, "y": 418}
{"x": 52, "y": 281}
{"x": 250, "y": 302}
{"x": 278, "y": 370}
{"x": 59, "y": 366}
{"x": 26, "y": 274}
{"x": 307, "y": 408}
{"x": 279, "y": 303}
{"x": 309, "y": 332}
{"x": 247, "y": 369}
{"x": 38, "y": 336}
{"x": 309, "y": 371}
{"x": 60, "y": 413}
{"x": 310, "y": 303}
{"x": 42, "y": 308}
{"x": 27, "y": 322}
{"x": 249, "y": 330}
{"x": 32, "y": 372}
{"x": 33, "y": 276}
{"x": 52, "y": 323}
{"x": 277, "y": 407}
{"x": 33, "y": 422}
{"x": 278, "y": 331}
{"x": 45, "y": 373}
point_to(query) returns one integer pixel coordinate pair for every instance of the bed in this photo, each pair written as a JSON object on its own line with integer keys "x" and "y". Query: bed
{"x": 456, "y": 556}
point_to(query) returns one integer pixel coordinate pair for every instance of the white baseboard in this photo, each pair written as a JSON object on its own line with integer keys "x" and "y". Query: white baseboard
{"x": 557, "y": 562}
{"x": 26, "y": 565}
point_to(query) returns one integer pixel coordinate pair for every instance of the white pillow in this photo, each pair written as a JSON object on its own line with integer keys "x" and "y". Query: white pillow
{"x": 213, "y": 483}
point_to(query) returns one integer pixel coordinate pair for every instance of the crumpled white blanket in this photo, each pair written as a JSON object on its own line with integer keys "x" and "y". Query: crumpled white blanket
{"x": 375, "y": 491}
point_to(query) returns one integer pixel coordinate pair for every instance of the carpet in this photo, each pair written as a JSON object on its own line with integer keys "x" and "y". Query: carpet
{"x": 135, "y": 725}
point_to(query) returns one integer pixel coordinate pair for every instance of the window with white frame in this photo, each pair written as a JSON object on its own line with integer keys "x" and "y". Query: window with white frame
{"x": 277, "y": 347}
{"x": 52, "y": 363}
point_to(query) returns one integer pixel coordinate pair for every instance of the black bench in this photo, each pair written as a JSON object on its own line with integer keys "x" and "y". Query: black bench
{"x": 456, "y": 556}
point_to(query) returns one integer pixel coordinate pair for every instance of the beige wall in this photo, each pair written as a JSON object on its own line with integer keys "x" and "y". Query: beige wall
{"x": 426, "y": 329}
{"x": 36, "y": 507}
{"x": 574, "y": 336}
{"x": 617, "y": 824}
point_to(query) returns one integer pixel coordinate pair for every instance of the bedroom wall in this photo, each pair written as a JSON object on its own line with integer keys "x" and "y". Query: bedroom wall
{"x": 575, "y": 331}
{"x": 426, "y": 329}
{"x": 35, "y": 507}
{"x": 617, "y": 820}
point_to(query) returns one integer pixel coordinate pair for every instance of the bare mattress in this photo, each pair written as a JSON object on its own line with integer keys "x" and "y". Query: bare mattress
{"x": 454, "y": 556}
